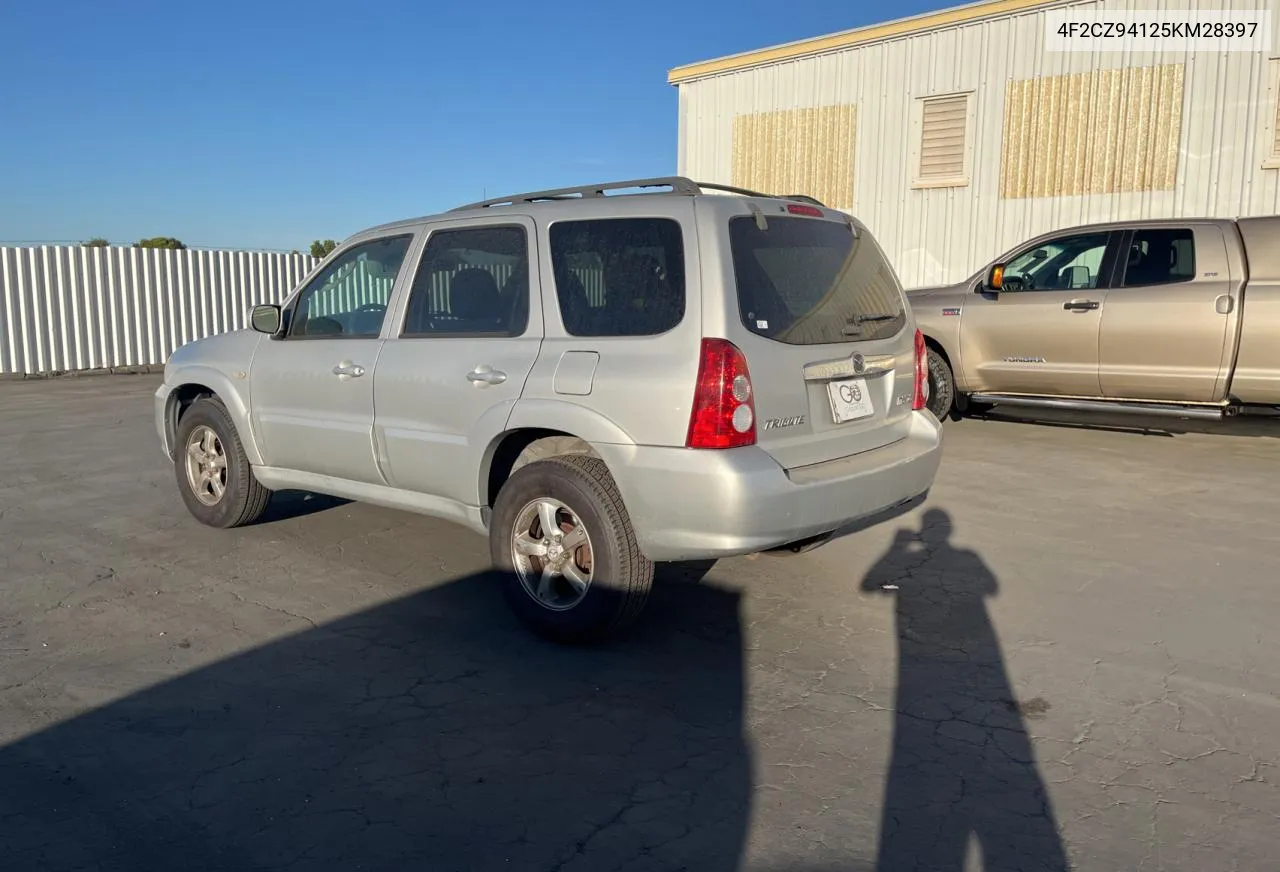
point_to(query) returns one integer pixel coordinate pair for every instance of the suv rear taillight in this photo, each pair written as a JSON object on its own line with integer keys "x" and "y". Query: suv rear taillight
{"x": 921, "y": 392}
{"x": 724, "y": 411}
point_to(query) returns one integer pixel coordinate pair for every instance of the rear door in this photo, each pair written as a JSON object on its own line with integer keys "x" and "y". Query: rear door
{"x": 823, "y": 323}
{"x": 467, "y": 338}
{"x": 1168, "y": 316}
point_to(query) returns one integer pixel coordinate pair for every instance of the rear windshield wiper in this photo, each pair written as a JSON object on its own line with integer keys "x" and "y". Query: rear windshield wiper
{"x": 853, "y": 326}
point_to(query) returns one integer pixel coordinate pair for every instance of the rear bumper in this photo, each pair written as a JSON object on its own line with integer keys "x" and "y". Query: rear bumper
{"x": 691, "y": 505}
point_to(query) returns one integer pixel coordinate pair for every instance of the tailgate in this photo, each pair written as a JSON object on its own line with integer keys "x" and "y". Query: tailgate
{"x": 828, "y": 345}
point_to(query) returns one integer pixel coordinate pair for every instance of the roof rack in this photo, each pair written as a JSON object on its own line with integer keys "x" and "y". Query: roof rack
{"x": 677, "y": 184}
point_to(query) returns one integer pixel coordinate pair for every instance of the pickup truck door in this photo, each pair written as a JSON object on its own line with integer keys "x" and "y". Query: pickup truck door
{"x": 1039, "y": 335}
{"x": 453, "y": 369}
{"x": 1169, "y": 315}
{"x": 311, "y": 389}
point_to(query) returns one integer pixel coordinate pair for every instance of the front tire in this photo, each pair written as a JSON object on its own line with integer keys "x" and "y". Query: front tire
{"x": 942, "y": 386}
{"x": 213, "y": 472}
{"x": 562, "y": 539}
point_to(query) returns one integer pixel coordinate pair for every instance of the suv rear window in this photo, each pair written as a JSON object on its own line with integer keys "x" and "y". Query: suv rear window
{"x": 810, "y": 282}
{"x": 619, "y": 276}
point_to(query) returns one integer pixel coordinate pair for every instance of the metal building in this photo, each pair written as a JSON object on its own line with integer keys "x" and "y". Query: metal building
{"x": 959, "y": 133}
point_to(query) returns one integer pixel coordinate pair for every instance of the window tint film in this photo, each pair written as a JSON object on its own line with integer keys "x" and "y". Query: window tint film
{"x": 1058, "y": 265}
{"x": 471, "y": 282}
{"x": 619, "y": 276}
{"x": 807, "y": 282}
{"x": 349, "y": 298}
{"x": 1160, "y": 257}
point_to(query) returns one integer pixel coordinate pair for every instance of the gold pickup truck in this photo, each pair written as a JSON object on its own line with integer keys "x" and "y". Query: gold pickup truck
{"x": 1176, "y": 318}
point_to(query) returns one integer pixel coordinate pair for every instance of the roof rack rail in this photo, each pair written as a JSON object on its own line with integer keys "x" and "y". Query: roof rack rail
{"x": 677, "y": 184}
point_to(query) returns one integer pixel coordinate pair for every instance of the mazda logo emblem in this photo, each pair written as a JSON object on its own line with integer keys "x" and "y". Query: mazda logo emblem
{"x": 859, "y": 363}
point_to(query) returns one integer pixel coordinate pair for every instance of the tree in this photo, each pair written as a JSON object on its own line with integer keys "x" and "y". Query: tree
{"x": 96, "y": 242}
{"x": 160, "y": 242}
{"x": 322, "y": 249}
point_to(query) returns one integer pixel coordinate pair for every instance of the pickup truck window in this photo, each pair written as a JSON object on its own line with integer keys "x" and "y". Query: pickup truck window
{"x": 1066, "y": 263}
{"x": 471, "y": 282}
{"x": 1160, "y": 257}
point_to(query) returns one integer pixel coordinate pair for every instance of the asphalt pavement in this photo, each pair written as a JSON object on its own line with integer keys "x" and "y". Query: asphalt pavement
{"x": 1068, "y": 658}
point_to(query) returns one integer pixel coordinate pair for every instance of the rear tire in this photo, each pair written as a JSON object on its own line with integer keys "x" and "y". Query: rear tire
{"x": 583, "y": 579}
{"x": 214, "y": 476}
{"x": 942, "y": 386}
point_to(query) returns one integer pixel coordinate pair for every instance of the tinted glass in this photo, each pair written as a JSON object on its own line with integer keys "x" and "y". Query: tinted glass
{"x": 619, "y": 276}
{"x": 810, "y": 282}
{"x": 1058, "y": 265}
{"x": 1160, "y": 257}
{"x": 471, "y": 282}
{"x": 348, "y": 299}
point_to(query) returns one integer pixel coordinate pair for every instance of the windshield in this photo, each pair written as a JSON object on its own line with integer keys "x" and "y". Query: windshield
{"x": 808, "y": 282}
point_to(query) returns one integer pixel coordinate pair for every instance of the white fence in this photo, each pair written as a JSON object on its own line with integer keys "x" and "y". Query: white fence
{"x": 68, "y": 307}
{"x": 73, "y": 308}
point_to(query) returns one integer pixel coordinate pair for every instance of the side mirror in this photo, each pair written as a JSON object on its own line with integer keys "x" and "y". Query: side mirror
{"x": 265, "y": 319}
{"x": 995, "y": 278}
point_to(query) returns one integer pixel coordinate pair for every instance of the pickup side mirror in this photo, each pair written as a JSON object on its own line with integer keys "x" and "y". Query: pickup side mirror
{"x": 265, "y": 319}
{"x": 995, "y": 279}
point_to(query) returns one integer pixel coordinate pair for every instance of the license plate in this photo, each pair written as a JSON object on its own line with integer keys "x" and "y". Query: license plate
{"x": 850, "y": 400}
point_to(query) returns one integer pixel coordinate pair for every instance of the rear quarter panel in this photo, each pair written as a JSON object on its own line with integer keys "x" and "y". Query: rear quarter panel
{"x": 627, "y": 390}
{"x": 1256, "y": 377}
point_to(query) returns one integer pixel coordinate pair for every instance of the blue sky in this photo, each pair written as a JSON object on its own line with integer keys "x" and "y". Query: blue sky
{"x": 269, "y": 124}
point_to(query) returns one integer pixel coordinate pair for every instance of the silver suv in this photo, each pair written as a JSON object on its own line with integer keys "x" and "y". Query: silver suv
{"x": 596, "y": 381}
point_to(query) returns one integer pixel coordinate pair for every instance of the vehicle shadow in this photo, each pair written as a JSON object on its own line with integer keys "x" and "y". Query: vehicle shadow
{"x": 431, "y": 732}
{"x": 1253, "y": 427}
{"x": 962, "y": 765}
{"x": 289, "y": 504}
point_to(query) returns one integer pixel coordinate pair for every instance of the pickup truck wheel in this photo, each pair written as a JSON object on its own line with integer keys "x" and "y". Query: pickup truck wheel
{"x": 562, "y": 539}
{"x": 942, "y": 386}
{"x": 214, "y": 475}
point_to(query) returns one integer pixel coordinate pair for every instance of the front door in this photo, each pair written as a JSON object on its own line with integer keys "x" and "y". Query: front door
{"x": 1164, "y": 331}
{"x": 1039, "y": 334}
{"x": 312, "y": 387}
{"x": 449, "y": 376}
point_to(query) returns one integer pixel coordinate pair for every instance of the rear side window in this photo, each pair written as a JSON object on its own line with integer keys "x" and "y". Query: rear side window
{"x": 619, "y": 276}
{"x": 471, "y": 282}
{"x": 1161, "y": 257}
{"x": 808, "y": 282}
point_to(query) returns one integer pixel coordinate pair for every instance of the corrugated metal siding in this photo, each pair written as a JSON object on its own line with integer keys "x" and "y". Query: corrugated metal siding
{"x": 72, "y": 307}
{"x": 938, "y": 235}
{"x": 1102, "y": 132}
{"x": 798, "y": 151}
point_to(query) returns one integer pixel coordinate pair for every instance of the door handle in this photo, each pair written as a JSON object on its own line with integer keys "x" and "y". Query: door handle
{"x": 485, "y": 375}
{"x": 347, "y": 369}
{"x": 1080, "y": 305}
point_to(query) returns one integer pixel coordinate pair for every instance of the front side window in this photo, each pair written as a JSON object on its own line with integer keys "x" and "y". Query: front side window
{"x": 1064, "y": 264}
{"x": 619, "y": 276}
{"x": 1160, "y": 257}
{"x": 471, "y": 282}
{"x": 348, "y": 300}
{"x": 807, "y": 282}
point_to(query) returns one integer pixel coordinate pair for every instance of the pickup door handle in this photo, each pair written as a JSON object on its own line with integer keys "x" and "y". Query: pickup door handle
{"x": 484, "y": 375}
{"x": 347, "y": 369}
{"x": 1080, "y": 305}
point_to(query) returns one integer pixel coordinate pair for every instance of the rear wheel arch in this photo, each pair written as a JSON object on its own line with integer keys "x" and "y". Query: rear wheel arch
{"x": 518, "y": 448}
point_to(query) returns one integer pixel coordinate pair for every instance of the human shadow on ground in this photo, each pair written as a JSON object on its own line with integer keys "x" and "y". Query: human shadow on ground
{"x": 962, "y": 765}
{"x": 431, "y": 732}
